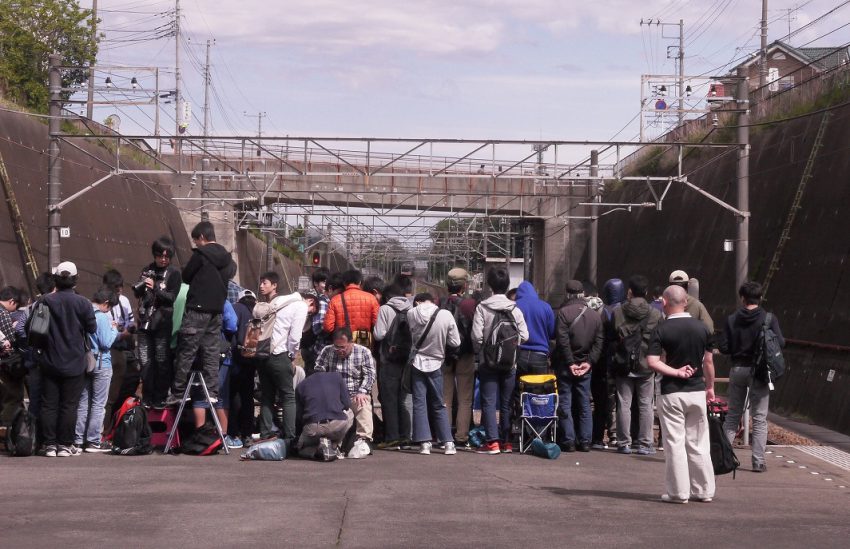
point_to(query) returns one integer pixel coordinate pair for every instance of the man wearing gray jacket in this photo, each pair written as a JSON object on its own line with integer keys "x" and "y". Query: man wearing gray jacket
{"x": 396, "y": 404}
{"x": 496, "y": 386}
{"x": 439, "y": 329}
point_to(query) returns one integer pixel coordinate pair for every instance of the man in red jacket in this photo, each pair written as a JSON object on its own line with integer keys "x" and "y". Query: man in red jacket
{"x": 354, "y": 308}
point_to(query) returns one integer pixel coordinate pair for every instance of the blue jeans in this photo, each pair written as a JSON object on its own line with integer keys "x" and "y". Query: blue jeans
{"x": 497, "y": 389}
{"x": 91, "y": 408}
{"x": 428, "y": 400}
{"x": 396, "y": 405}
{"x": 574, "y": 392}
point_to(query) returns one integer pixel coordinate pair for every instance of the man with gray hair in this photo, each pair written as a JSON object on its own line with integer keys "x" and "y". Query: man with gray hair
{"x": 687, "y": 382}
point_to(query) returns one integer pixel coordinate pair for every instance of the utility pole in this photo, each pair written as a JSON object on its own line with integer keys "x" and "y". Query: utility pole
{"x": 54, "y": 164}
{"x": 763, "y": 64}
{"x": 90, "y": 101}
{"x": 207, "y": 81}
{"x": 205, "y": 214}
{"x": 742, "y": 249}
{"x": 593, "y": 256}
{"x": 682, "y": 71}
{"x": 177, "y": 99}
{"x": 259, "y": 116}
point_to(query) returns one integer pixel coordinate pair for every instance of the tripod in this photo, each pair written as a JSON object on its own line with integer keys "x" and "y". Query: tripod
{"x": 196, "y": 379}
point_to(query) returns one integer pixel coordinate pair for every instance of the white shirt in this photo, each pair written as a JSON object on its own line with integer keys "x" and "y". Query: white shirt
{"x": 288, "y": 323}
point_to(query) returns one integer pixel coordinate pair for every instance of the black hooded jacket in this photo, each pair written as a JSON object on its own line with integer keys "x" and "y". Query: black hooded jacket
{"x": 741, "y": 334}
{"x": 207, "y": 273}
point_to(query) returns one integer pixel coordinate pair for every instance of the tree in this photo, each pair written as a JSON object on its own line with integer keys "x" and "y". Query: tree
{"x": 30, "y": 30}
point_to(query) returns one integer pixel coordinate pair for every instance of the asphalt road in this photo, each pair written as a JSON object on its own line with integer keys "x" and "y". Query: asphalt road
{"x": 394, "y": 499}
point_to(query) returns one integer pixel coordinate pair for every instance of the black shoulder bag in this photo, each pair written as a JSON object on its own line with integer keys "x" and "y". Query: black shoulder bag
{"x": 407, "y": 372}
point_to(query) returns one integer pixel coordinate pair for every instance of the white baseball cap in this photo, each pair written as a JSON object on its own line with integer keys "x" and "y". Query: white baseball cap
{"x": 246, "y": 293}
{"x": 65, "y": 267}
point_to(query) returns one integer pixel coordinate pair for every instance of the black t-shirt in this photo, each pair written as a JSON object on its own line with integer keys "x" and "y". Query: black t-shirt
{"x": 685, "y": 341}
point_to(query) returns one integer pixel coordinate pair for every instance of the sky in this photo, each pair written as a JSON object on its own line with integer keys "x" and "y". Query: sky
{"x": 496, "y": 69}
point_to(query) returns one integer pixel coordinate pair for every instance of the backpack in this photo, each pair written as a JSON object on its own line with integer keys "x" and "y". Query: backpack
{"x": 723, "y": 457}
{"x": 39, "y": 325}
{"x": 396, "y": 345}
{"x": 21, "y": 438}
{"x": 131, "y": 434}
{"x": 629, "y": 349}
{"x": 258, "y": 335}
{"x": 769, "y": 363}
{"x": 203, "y": 442}
{"x": 499, "y": 348}
{"x": 464, "y": 328}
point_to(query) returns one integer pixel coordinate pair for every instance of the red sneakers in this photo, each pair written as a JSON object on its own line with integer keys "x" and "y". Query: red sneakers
{"x": 488, "y": 448}
{"x": 507, "y": 448}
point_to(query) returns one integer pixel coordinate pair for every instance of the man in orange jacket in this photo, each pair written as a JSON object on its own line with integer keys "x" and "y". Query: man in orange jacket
{"x": 353, "y": 308}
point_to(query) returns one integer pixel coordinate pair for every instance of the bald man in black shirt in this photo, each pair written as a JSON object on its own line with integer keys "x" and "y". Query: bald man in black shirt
{"x": 688, "y": 370}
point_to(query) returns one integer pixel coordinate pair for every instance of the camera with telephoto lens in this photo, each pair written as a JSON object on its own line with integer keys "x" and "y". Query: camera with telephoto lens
{"x": 140, "y": 285}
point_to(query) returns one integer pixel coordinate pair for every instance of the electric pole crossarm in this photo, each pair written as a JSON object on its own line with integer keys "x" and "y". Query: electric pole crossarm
{"x": 81, "y": 192}
{"x": 714, "y": 199}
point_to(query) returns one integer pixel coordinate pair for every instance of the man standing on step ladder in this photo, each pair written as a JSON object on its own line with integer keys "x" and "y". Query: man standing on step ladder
{"x": 206, "y": 273}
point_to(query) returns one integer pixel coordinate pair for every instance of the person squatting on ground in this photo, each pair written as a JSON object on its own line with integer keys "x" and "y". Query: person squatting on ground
{"x": 277, "y": 372}
{"x": 92, "y": 404}
{"x": 395, "y": 344}
{"x": 578, "y": 338}
{"x": 741, "y": 338}
{"x": 496, "y": 386}
{"x": 435, "y": 328}
{"x": 158, "y": 286}
{"x": 635, "y": 315}
{"x": 207, "y": 274}
{"x": 323, "y": 410}
{"x": 459, "y": 365}
{"x": 686, "y": 385}
{"x": 357, "y": 367}
{"x": 63, "y": 361}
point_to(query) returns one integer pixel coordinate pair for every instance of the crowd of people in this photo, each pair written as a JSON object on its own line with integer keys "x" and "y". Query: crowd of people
{"x": 325, "y": 358}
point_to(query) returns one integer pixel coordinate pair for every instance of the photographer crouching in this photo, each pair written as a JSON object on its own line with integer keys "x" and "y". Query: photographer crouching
{"x": 156, "y": 290}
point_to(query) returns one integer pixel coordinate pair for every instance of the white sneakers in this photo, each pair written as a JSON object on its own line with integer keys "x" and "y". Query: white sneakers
{"x": 359, "y": 450}
{"x": 425, "y": 448}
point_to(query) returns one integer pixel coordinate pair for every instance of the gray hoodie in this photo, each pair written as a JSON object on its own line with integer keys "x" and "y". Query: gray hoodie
{"x": 444, "y": 331}
{"x": 386, "y": 315}
{"x": 484, "y": 315}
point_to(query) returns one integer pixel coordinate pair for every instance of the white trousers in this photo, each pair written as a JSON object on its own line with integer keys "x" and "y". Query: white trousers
{"x": 687, "y": 450}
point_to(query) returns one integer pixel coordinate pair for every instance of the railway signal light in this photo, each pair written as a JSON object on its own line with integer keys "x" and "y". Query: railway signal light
{"x": 316, "y": 259}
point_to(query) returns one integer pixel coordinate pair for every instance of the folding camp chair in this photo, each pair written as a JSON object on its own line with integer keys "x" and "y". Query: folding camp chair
{"x": 539, "y": 402}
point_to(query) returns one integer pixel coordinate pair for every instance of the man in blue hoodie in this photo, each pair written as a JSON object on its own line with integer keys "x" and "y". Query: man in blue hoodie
{"x": 533, "y": 355}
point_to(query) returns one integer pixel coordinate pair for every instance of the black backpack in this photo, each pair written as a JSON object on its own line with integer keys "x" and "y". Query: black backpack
{"x": 464, "y": 328}
{"x": 769, "y": 363}
{"x": 629, "y": 348}
{"x": 21, "y": 438}
{"x": 499, "y": 348}
{"x": 723, "y": 457}
{"x": 38, "y": 325}
{"x": 397, "y": 343}
{"x": 132, "y": 435}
